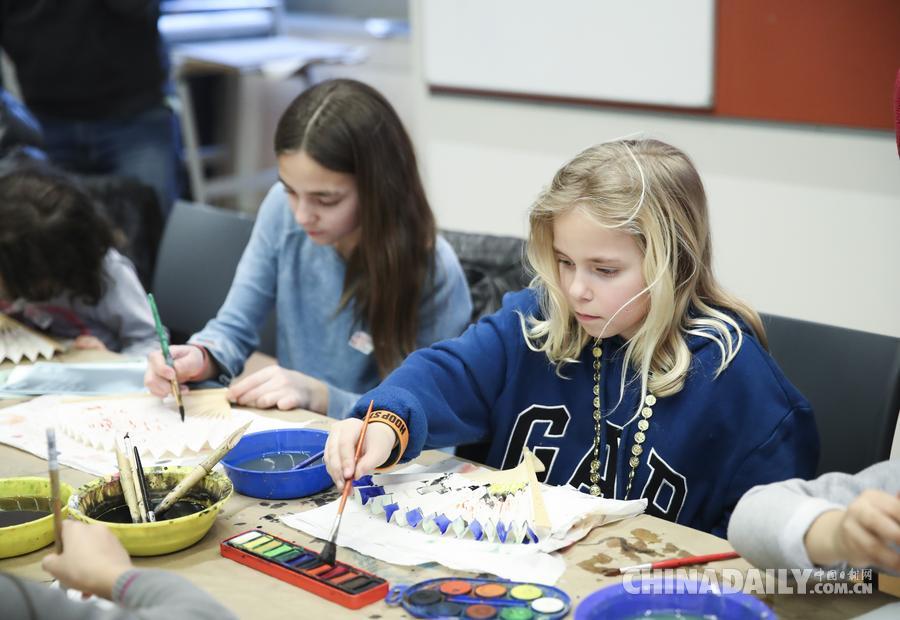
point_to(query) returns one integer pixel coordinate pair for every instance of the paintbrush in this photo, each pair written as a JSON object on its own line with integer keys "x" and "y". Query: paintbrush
{"x": 53, "y": 464}
{"x": 330, "y": 550}
{"x": 142, "y": 486}
{"x": 199, "y": 473}
{"x": 315, "y": 457}
{"x": 126, "y": 481}
{"x": 675, "y": 562}
{"x": 164, "y": 344}
{"x": 135, "y": 483}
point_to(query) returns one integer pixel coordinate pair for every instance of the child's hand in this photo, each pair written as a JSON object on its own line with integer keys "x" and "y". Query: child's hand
{"x": 861, "y": 535}
{"x": 92, "y": 559}
{"x": 274, "y": 386}
{"x": 89, "y": 342}
{"x": 340, "y": 449}
{"x": 190, "y": 365}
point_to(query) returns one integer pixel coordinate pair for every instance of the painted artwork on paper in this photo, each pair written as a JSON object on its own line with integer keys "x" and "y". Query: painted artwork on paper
{"x": 97, "y": 422}
{"x": 474, "y": 503}
{"x": 88, "y": 427}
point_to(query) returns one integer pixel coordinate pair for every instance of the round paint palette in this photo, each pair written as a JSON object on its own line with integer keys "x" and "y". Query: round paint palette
{"x": 483, "y": 599}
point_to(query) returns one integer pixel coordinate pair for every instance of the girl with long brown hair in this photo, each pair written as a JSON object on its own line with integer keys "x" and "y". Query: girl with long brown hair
{"x": 345, "y": 249}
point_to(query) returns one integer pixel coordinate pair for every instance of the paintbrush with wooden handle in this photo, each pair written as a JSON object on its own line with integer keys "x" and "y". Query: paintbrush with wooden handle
{"x": 199, "y": 473}
{"x": 330, "y": 550}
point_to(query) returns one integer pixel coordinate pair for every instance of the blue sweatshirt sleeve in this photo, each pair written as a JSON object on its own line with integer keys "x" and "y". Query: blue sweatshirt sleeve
{"x": 446, "y": 393}
{"x": 234, "y": 333}
{"x": 790, "y": 451}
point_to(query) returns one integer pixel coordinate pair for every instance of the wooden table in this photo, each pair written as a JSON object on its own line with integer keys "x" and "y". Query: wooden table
{"x": 251, "y": 594}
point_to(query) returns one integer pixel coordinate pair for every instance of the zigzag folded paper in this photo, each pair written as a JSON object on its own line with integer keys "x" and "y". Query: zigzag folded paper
{"x": 18, "y": 341}
{"x": 493, "y": 506}
{"x": 97, "y": 422}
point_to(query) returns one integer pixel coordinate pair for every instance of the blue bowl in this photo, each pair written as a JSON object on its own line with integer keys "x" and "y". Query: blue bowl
{"x": 670, "y": 598}
{"x": 278, "y": 484}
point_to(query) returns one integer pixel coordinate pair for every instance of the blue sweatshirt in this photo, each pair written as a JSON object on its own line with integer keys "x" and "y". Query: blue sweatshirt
{"x": 705, "y": 447}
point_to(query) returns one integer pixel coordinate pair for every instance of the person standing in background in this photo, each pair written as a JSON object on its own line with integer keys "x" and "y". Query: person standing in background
{"x": 94, "y": 74}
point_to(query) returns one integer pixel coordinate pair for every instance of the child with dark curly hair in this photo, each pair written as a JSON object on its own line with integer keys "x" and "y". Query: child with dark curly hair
{"x": 60, "y": 272}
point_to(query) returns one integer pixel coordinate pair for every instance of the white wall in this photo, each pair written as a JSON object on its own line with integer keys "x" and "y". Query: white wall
{"x": 805, "y": 218}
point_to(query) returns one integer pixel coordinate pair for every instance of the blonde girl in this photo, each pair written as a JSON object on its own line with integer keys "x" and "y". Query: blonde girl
{"x": 625, "y": 367}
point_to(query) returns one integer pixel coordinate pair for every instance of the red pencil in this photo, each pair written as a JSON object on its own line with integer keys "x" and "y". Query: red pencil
{"x": 676, "y": 562}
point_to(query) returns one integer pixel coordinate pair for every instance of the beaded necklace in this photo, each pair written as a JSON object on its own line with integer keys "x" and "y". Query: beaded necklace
{"x": 640, "y": 435}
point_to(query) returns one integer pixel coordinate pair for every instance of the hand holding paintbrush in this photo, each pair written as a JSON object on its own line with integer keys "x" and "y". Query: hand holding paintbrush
{"x": 164, "y": 344}
{"x": 53, "y": 466}
{"x": 330, "y": 550}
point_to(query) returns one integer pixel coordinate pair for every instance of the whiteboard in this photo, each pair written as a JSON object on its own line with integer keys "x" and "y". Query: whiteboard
{"x": 651, "y": 52}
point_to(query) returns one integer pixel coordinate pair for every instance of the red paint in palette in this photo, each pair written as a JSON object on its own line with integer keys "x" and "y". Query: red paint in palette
{"x": 340, "y": 583}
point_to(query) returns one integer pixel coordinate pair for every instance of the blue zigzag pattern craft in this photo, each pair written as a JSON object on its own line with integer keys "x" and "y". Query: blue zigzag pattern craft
{"x": 503, "y": 507}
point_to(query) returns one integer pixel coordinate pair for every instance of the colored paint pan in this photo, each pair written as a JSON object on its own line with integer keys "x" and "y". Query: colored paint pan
{"x": 284, "y": 560}
{"x": 481, "y": 599}
{"x": 490, "y": 590}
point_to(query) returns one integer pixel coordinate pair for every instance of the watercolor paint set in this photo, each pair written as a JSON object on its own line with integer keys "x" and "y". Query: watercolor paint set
{"x": 340, "y": 583}
{"x": 458, "y": 597}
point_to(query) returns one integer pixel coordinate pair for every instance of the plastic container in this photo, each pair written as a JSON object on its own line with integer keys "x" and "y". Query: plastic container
{"x": 30, "y": 536}
{"x": 166, "y": 536}
{"x": 285, "y": 484}
{"x": 670, "y": 598}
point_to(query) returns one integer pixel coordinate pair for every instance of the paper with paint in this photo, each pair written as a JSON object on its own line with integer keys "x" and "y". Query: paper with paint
{"x": 475, "y": 503}
{"x": 84, "y": 379}
{"x": 87, "y": 428}
{"x": 570, "y": 513}
{"x": 18, "y": 341}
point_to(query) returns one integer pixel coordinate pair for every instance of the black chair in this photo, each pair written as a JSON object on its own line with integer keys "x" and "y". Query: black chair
{"x": 200, "y": 250}
{"x": 852, "y": 380}
{"x": 493, "y": 266}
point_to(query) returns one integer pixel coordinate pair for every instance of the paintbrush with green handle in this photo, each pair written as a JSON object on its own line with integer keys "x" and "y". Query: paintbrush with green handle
{"x": 164, "y": 344}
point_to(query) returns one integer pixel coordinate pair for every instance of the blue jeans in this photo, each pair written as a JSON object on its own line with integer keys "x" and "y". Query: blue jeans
{"x": 143, "y": 147}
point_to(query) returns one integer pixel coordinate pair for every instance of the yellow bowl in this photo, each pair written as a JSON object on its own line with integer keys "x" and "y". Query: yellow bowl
{"x": 27, "y": 537}
{"x": 161, "y": 537}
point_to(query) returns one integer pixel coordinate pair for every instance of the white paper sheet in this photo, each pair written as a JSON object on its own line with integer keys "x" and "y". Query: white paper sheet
{"x": 572, "y": 515}
{"x": 24, "y": 427}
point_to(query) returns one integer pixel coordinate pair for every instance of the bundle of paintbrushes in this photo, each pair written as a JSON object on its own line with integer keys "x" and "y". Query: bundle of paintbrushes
{"x": 134, "y": 483}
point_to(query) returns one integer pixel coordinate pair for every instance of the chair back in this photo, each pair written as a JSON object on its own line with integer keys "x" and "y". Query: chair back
{"x": 493, "y": 267}
{"x": 852, "y": 380}
{"x": 198, "y": 255}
